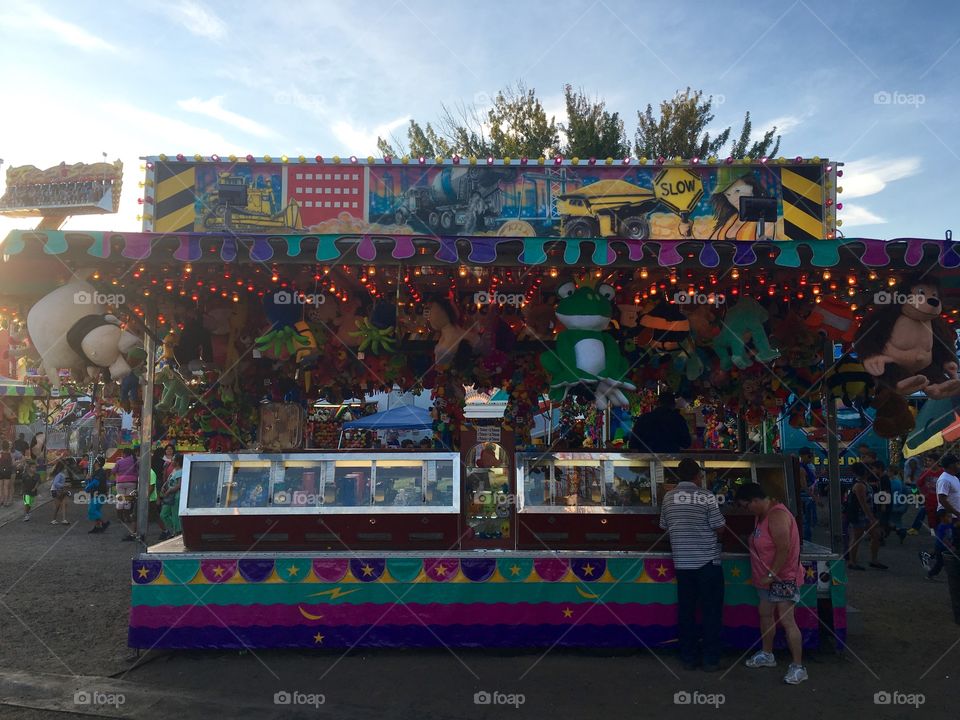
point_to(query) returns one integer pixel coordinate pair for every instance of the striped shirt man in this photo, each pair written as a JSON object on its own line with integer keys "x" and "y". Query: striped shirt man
{"x": 692, "y": 517}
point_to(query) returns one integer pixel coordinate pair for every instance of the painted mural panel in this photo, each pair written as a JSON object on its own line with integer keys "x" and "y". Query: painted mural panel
{"x": 551, "y": 200}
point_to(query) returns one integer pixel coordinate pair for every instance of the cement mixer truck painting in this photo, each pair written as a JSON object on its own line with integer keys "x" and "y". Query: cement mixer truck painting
{"x": 457, "y": 201}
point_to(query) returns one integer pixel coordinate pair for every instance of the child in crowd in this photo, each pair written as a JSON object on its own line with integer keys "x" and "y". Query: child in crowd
{"x": 59, "y": 493}
{"x": 944, "y": 543}
{"x": 96, "y": 487}
{"x": 31, "y": 482}
{"x": 171, "y": 497}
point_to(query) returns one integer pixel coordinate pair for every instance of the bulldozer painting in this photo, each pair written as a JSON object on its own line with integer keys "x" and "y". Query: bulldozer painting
{"x": 237, "y": 204}
{"x": 607, "y": 208}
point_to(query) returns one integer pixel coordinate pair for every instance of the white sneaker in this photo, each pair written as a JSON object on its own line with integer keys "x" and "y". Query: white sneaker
{"x": 54, "y": 522}
{"x": 796, "y": 674}
{"x": 762, "y": 659}
{"x": 26, "y": 518}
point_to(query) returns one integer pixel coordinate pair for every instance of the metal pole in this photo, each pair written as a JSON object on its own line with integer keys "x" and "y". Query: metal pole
{"x": 146, "y": 429}
{"x": 833, "y": 455}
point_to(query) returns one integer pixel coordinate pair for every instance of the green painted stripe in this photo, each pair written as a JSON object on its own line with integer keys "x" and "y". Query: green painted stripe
{"x": 422, "y": 593}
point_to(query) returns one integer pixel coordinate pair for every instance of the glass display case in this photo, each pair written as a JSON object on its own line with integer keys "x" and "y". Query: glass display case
{"x": 584, "y": 500}
{"x": 330, "y": 501}
{"x": 333, "y": 483}
{"x": 611, "y": 482}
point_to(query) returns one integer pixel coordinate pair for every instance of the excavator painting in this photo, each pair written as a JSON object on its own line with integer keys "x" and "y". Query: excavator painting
{"x": 235, "y": 204}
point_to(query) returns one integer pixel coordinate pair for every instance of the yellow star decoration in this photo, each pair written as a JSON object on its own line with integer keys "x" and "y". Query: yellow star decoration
{"x": 367, "y": 570}
{"x": 811, "y": 572}
{"x": 661, "y": 571}
{"x": 588, "y": 569}
{"x": 735, "y": 571}
{"x": 515, "y": 570}
{"x": 219, "y": 571}
{"x": 293, "y": 570}
{"x": 143, "y": 572}
{"x": 318, "y": 639}
{"x": 567, "y": 613}
{"x": 440, "y": 570}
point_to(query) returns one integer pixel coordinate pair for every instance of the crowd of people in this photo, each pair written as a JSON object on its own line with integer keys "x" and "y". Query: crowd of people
{"x": 101, "y": 487}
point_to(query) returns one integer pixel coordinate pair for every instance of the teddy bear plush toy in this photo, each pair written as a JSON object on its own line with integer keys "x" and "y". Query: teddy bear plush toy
{"x": 907, "y": 346}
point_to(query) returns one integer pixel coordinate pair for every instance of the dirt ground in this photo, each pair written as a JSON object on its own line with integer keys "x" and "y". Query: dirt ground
{"x": 63, "y": 622}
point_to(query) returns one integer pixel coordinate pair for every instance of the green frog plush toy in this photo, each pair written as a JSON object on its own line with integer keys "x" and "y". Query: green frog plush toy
{"x": 587, "y": 360}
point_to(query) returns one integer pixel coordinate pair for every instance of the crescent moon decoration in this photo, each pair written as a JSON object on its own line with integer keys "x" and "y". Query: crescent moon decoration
{"x": 588, "y": 595}
{"x": 308, "y": 616}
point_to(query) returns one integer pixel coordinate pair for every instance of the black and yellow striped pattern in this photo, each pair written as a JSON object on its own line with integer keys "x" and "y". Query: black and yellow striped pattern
{"x": 803, "y": 217}
{"x": 174, "y": 195}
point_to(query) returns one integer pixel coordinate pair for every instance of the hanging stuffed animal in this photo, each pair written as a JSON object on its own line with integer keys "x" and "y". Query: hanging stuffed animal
{"x": 665, "y": 327}
{"x": 907, "y": 347}
{"x": 850, "y": 383}
{"x": 538, "y": 320}
{"x": 833, "y": 318}
{"x": 743, "y": 324}
{"x": 455, "y": 346}
{"x": 586, "y": 357}
{"x": 376, "y": 333}
{"x": 70, "y": 329}
{"x": 176, "y": 395}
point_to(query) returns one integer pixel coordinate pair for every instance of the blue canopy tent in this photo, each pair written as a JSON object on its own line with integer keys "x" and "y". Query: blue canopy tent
{"x": 405, "y": 417}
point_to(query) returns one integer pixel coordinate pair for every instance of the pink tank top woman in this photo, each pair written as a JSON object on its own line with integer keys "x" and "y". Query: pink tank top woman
{"x": 763, "y": 550}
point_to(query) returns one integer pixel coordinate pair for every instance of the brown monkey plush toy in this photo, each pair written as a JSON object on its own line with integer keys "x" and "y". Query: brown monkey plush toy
{"x": 905, "y": 344}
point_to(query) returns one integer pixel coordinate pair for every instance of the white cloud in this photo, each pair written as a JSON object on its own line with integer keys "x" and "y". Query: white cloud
{"x": 360, "y": 140}
{"x": 195, "y": 17}
{"x": 33, "y": 18}
{"x": 870, "y": 175}
{"x": 214, "y": 108}
{"x": 783, "y": 123}
{"x": 858, "y": 215}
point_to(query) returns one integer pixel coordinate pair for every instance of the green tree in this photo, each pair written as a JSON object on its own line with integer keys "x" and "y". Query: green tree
{"x": 768, "y": 145}
{"x": 420, "y": 141}
{"x": 519, "y": 125}
{"x": 591, "y": 130}
{"x": 681, "y": 130}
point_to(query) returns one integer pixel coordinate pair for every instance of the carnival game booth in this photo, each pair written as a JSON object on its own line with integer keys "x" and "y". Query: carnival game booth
{"x": 259, "y": 285}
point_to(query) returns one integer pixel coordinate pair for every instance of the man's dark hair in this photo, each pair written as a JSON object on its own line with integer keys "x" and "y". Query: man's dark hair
{"x": 688, "y": 470}
{"x": 948, "y": 460}
{"x": 750, "y": 491}
{"x": 667, "y": 399}
{"x": 859, "y": 469}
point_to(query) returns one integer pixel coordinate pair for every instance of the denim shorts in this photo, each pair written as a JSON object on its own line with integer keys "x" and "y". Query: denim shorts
{"x": 765, "y": 595}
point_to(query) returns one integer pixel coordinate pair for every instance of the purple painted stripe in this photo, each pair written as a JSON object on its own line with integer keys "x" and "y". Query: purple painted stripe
{"x": 436, "y": 614}
{"x": 509, "y": 636}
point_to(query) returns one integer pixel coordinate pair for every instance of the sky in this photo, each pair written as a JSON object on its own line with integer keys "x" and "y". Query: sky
{"x": 871, "y": 84}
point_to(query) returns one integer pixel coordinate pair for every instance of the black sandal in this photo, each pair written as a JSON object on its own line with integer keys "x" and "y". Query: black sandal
{"x": 879, "y": 566}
